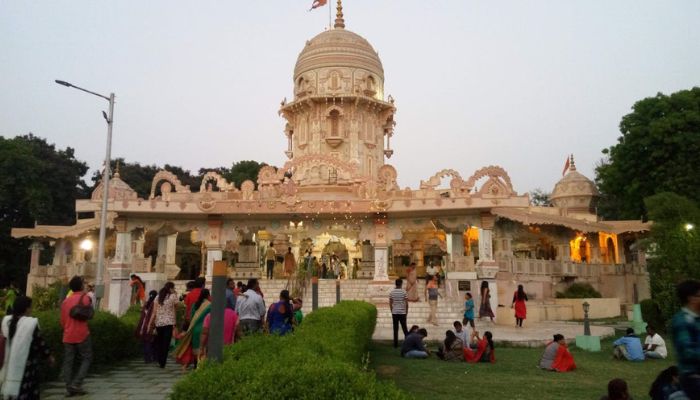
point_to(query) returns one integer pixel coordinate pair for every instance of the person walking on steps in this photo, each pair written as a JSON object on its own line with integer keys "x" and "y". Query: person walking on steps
{"x": 398, "y": 304}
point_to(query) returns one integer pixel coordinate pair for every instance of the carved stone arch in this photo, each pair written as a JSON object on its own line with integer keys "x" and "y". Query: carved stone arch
{"x": 387, "y": 177}
{"x": 221, "y": 182}
{"x": 169, "y": 178}
{"x": 495, "y": 174}
{"x": 334, "y": 107}
{"x": 434, "y": 181}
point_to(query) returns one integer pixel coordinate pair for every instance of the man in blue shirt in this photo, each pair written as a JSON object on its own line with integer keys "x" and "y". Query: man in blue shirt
{"x": 628, "y": 347}
{"x": 686, "y": 337}
{"x": 230, "y": 296}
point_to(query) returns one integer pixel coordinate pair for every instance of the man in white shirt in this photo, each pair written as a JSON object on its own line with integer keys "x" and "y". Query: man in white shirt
{"x": 654, "y": 345}
{"x": 462, "y": 333}
{"x": 250, "y": 307}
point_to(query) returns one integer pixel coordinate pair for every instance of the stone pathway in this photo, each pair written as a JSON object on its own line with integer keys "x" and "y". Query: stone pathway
{"x": 130, "y": 380}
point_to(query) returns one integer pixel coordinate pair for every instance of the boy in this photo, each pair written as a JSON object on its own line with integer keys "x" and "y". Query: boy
{"x": 468, "y": 310}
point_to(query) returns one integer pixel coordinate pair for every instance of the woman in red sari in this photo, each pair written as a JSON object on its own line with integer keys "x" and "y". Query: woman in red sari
{"x": 481, "y": 349}
{"x": 556, "y": 356}
{"x": 519, "y": 299}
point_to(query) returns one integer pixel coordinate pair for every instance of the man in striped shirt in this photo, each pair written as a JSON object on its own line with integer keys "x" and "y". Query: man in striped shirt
{"x": 398, "y": 304}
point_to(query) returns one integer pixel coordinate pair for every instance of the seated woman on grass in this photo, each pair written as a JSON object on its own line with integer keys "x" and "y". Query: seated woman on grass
{"x": 556, "y": 356}
{"x": 452, "y": 348}
{"x": 481, "y": 349}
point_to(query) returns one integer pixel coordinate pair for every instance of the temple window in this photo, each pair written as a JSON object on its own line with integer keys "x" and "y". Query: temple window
{"x": 334, "y": 117}
{"x": 580, "y": 249}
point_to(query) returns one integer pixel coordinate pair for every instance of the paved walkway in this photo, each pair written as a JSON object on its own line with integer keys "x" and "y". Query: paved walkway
{"x": 131, "y": 380}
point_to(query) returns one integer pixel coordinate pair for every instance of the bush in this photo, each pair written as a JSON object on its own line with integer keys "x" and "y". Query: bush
{"x": 652, "y": 315}
{"x": 47, "y": 298}
{"x": 579, "y": 291}
{"x": 113, "y": 338}
{"x": 322, "y": 359}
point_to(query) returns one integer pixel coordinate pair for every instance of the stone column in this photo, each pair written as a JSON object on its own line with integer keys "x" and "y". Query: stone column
{"x": 380, "y": 286}
{"x": 487, "y": 268}
{"x": 455, "y": 251}
{"x": 167, "y": 247}
{"x": 36, "y": 249}
{"x": 119, "y": 295}
{"x": 214, "y": 246}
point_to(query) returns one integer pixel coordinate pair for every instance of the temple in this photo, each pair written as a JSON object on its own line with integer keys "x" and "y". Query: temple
{"x": 337, "y": 195}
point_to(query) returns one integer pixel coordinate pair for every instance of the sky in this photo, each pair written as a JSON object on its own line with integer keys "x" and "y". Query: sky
{"x": 514, "y": 83}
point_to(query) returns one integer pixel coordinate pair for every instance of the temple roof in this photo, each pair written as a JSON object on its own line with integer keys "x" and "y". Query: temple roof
{"x": 60, "y": 231}
{"x": 527, "y": 216}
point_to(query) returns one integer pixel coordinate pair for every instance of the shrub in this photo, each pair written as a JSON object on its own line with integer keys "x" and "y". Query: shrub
{"x": 113, "y": 338}
{"x": 47, "y": 298}
{"x": 652, "y": 315}
{"x": 322, "y": 359}
{"x": 579, "y": 291}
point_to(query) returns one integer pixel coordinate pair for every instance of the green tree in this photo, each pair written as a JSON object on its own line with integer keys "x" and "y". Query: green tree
{"x": 673, "y": 246}
{"x": 659, "y": 151}
{"x": 38, "y": 184}
{"x": 539, "y": 197}
{"x": 243, "y": 170}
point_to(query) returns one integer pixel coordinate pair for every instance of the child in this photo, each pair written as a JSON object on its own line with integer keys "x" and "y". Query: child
{"x": 468, "y": 310}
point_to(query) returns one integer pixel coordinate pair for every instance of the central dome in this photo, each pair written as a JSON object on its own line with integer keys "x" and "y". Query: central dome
{"x": 338, "y": 48}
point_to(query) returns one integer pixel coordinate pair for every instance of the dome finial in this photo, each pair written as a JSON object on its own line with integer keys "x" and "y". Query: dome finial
{"x": 339, "y": 21}
{"x": 572, "y": 166}
{"x": 116, "y": 170}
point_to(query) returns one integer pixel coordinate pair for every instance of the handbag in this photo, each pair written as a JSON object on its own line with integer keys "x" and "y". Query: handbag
{"x": 82, "y": 312}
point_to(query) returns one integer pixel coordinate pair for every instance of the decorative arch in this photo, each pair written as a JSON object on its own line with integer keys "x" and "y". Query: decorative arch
{"x": 220, "y": 181}
{"x": 499, "y": 181}
{"x": 171, "y": 179}
{"x": 434, "y": 181}
{"x": 387, "y": 177}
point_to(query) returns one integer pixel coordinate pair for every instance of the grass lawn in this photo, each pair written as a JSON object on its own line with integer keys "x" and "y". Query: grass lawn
{"x": 514, "y": 376}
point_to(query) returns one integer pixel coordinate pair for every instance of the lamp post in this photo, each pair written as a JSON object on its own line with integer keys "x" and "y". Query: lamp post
{"x": 586, "y": 323}
{"x": 99, "y": 284}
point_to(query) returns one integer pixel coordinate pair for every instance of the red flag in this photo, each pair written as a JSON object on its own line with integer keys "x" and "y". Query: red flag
{"x": 317, "y": 4}
{"x": 566, "y": 166}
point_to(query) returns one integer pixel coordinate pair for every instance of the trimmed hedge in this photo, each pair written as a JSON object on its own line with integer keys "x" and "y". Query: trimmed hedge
{"x": 579, "y": 291}
{"x": 322, "y": 359}
{"x": 652, "y": 315}
{"x": 113, "y": 338}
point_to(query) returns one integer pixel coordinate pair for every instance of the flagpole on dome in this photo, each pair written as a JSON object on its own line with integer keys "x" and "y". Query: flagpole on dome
{"x": 330, "y": 26}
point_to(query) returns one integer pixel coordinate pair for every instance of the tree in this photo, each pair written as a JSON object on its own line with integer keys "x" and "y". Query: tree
{"x": 38, "y": 184}
{"x": 674, "y": 246}
{"x": 539, "y": 197}
{"x": 659, "y": 151}
{"x": 243, "y": 170}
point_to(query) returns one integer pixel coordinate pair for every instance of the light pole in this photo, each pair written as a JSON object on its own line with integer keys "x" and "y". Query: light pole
{"x": 586, "y": 322}
{"x": 99, "y": 284}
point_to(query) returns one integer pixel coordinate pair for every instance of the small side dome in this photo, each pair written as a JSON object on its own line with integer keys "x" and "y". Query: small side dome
{"x": 118, "y": 189}
{"x": 574, "y": 192}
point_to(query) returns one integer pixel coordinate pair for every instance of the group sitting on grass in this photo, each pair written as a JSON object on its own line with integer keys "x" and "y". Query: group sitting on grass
{"x": 453, "y": 348}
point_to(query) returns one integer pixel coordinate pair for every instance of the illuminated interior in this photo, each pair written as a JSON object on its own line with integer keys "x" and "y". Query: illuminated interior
{"x": 608, "y": 248}
{"x": 580, "y": 249}
{"x": 471, "y": 235}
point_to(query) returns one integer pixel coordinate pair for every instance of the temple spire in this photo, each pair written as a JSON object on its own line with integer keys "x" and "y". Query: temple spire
{"x": 572, "y": 166}
{"x": 116, "y": 172}
{"x": 339, "y": 21}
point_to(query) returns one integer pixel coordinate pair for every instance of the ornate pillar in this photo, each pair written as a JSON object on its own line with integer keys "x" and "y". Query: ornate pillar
{"x": 214, "y": 247}
{"x": 36, "y": 249}
{"x": 119, "y": 270}
{"x": 380, "y": 286}
{"x": 455, "y": 252}
{"x": 486, "y": 267}
{"x": 167, "y": 247}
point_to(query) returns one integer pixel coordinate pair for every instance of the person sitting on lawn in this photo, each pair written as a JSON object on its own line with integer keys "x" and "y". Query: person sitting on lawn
{"x": 461, "y": 333}
{"x": 556, "y": 356}
{"x": 480, "y": 349}
{"x": 667, "y": 386}
{"x": 654, "y": 344}
{"x": 617, "y": 390}
{"x": 628, "y": 347}
{"x": 452, "y": 348}
{"x": 413, "y": 329}
{"x": 413, "y": 346}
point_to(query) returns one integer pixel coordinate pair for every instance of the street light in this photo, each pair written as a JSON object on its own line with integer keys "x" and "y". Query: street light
{"x": 586, "y": 322}
{"x": 99, "y": 287}
{"x": 689, "y": 227}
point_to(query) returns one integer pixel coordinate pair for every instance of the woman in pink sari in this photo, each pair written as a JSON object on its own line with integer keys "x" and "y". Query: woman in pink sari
{"x": 412, "y": 283}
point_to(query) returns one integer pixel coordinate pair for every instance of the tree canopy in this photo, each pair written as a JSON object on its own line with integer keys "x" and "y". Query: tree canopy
{"x": 659, "y": 151}
{"x": 38, "y": 184}
{"x": 674, "y": 246}
{"x": 539, "y": 197}
{"x": 243, "y": 170}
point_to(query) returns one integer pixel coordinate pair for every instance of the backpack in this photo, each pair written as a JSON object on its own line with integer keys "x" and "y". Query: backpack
{"x": 82, "y": 312}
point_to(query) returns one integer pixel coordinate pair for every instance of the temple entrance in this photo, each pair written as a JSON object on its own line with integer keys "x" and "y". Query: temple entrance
{"x": 335, "y": 259}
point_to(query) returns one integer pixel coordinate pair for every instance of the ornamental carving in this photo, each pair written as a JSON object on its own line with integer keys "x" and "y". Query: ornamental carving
{"x": 170, "y": 181}
{"x": 221, "y": 182}
{"x": 497, "y": 176}
{"x": 434, "y": 181}
{"x": 387, "y": 178}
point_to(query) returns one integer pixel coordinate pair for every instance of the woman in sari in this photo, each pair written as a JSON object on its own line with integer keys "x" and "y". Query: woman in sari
{"x": 412, "y": 283}
{"x": 138, "y": 288}
{"x": 452, "y": 348}
{"x": 519, "y": 299}
{"x": 485, "y": 306}
{"x": 187, "y": 351}
{"x": 25, "y": 351}
{"x": 143, "y": 329}
{"x": 280, "y": 315}
{"x": 481, "y": 349}
{"x": 556, "y": 356}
